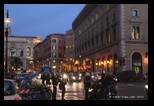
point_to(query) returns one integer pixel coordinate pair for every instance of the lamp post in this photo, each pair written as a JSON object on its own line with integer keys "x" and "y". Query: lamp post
{"x": 71, "y": 63}
{"x": 80, "y": 61}
{"x": 7, "y": 20}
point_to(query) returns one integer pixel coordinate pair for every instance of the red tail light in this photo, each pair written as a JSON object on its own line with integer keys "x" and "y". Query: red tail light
{"x": 17, "y": 98}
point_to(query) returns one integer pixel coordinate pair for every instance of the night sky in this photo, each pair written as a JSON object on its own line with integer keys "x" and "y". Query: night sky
{"x": 41, "y": 19}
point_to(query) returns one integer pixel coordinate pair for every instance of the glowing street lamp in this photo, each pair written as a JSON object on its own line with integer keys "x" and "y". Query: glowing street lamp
{"x": 7, "y": 20}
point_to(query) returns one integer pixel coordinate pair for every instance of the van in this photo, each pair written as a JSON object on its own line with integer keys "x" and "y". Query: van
{"x": 128, "y": 75}
{"x": 46, "y": 69}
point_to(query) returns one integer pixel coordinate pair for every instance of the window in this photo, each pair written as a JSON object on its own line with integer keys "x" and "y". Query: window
{"x": 135, "y": 13}
{"x": 21, "y": 53}
{"x": 53, "y": 54}
{"x": 114, "y": 18}
{"x": 96, "y": 15}
{"x": 107, "y": 6}
{"x": 53, "y": 40}
{"x": 28, "y": 51}
{"x": 114, "y": 34}
{"x": 108, "y": 37}
{"x": 107, "y": 21}
{"x": 135, "y": 32}
{"x": 101, "y": 10}
{"x": 92, "y": 19}
{"x": 53, "y": 47}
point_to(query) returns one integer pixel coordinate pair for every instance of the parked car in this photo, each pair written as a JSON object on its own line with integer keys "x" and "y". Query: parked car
{"x": 128, "y": 75}
{"x": 75, "y": 77}
{"x": 10, "y": 90}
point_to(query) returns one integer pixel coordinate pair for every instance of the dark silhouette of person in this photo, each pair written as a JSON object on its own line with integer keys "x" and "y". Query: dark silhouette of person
{"x": 87, "y": 84}
{"x": 43, "y": 77}
{"x": 48, "y": 79}
{"x": 54, "y": 83}
{"x": 62, "y": 85}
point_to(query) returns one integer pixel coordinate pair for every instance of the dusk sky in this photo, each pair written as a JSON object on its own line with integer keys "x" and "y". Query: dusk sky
{"x": 41, "y": 19}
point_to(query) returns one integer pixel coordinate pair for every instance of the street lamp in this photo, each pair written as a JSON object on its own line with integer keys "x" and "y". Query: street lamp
{"x": 7, "y": 20}
{"x": 71, "y": 63}
{"x": 80, "y": 61}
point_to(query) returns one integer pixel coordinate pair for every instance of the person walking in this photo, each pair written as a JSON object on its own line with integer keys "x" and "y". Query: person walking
{"x": 48, "y": 80}
{"x": 87, "y": 84}
{"x": 62, "y": 87}
{"x": 43, "y": 77}
{"x": 54, "y": 83}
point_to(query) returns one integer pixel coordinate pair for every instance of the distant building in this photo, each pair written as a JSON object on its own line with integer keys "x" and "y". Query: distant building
{"x": 112, "y": 37}
{"x": 20, "y": 47}
{"x": 70, "y": 50}
{"x": 51, "y": 52}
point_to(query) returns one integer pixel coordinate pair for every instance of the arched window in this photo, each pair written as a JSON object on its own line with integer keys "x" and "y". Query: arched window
{"x": 28, "y": 51}
{"x": 135, "y": 32}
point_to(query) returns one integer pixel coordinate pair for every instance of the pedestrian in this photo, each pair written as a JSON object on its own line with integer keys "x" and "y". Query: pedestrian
{"x": 87, "y": 84}
{"x": 43, "y": 77}
{"x": 54, "y": 83}
{"x": 48, "y": 79}
{"x": 62, "y": 87}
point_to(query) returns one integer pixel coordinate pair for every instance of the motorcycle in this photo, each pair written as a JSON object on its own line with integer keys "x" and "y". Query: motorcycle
{"x": 41, "y": 93}
{"x": 96, "y": 92}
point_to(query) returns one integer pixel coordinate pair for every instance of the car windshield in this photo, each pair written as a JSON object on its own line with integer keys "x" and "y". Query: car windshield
{"x": 9, "y": 88}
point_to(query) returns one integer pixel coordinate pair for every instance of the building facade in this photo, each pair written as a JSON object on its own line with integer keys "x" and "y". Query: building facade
{"x": 70, "y": 50}
{"x": 51, "y": 52}
{"x": 20, "y": 47}
{"x": 112, "y": 37}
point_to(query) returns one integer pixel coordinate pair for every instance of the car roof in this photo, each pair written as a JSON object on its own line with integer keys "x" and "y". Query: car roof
{"x": 12, "y": 80}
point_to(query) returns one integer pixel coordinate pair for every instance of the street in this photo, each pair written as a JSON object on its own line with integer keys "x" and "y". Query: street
{"x": 126, "y": 91}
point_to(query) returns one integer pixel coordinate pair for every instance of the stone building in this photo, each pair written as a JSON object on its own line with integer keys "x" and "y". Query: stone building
{"x": 70, "y": 50}
{"x": 112, "y": 37}
{"x": 51, "y": 52}
{"x": 20, "y": 47}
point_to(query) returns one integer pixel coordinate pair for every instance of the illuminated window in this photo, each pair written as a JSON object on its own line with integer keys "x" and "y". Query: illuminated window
{"x": 96, "y": 15}
{"x": 28, "y": 51}
{"x": 135, "y": 32}
{"x": 108, "y": 37}
{"x": 54, "y": 47}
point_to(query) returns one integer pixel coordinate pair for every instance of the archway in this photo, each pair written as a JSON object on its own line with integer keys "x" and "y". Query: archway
{"x": 137, "y": 63}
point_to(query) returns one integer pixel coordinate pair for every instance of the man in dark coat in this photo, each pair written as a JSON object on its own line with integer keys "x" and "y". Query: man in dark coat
{"x": 62, "y": 85}
{"x": 54, "y": 83}
{"x": 87, "y": 84}
{"x": 43, "y": 77}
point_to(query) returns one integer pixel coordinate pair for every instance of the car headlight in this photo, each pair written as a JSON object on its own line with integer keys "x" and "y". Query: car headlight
{"x": 64, "y": 76}
{"x": 116, "y": 79}
{"x": 80, "y": 75}
{"x": 73, "y": 77}
{"x": 90, "y": 90}
{"x": 146, "y": 86}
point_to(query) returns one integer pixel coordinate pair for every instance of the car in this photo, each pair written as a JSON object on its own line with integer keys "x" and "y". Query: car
{"x": 46, "y": 70}
{"x": 10, "y": 90}
{"x": 75, "y": 77}
{"x": 128, "y": 75}
{"x": 19, "y": 71}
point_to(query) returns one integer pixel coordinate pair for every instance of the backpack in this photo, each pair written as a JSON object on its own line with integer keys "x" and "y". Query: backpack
{"x": 60, "y": 86}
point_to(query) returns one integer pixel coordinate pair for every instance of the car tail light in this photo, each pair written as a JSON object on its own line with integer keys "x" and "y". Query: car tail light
{"x": 17, "y": 98}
